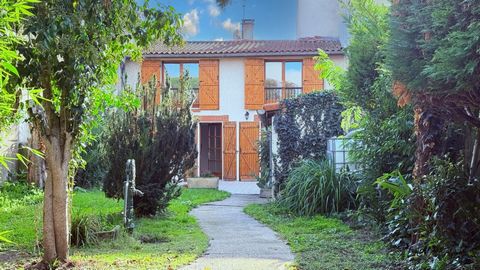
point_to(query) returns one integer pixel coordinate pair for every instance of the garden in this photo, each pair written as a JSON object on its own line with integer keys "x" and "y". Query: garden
{"x": 406, "y": 111}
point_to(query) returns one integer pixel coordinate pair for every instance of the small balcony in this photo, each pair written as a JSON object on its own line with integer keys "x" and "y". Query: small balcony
{"x": 194, "y": 95}
{"x": 276, "y": 94}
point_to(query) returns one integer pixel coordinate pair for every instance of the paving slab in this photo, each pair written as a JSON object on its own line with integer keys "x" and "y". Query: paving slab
{"x": 238, "y": 241}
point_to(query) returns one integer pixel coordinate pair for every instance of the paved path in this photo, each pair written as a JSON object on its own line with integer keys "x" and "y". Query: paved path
{"x": 237, "y": 241}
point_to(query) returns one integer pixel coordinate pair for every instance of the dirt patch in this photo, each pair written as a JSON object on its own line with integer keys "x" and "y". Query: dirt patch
{"x": 14, "y": 259}
{"x": 151, "y": 239}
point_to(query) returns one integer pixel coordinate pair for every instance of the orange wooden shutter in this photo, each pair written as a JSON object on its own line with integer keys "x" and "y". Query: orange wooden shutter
{"x": 230, "y": 151}
{"x": 254, "y": 84}
{"x": 311, "y": 77}
{"x": 249, "y": 159}
{"x": 209, "y": 89}
{"x": 149, "y": 69}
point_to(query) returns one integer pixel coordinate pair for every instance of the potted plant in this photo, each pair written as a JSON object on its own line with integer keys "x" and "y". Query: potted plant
{"x": 206, "y": 180}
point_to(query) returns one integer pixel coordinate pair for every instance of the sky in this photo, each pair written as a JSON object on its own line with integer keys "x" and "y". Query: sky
{"x": 204, "y": 20}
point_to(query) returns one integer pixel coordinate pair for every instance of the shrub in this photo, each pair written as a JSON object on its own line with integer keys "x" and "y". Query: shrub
{"x": 314, "y": 187}
{"x": 303, "y": 127}
{"x": 161, "y": 139}
{"x": 448, "y": 236}
{"x": 84, "y": 228}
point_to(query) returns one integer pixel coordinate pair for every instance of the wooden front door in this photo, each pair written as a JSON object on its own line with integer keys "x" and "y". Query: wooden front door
{"x": 230, "y": 151}
{"x": 215, "y": 149}
{"x": 249, "y": 159}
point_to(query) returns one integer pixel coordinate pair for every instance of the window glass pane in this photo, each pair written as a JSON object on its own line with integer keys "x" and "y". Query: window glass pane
{"x": 293, "y": 74}
{"x": 273, "y": 74}
{"x": 172, "y": 75}
{"x": 192, "y": 70}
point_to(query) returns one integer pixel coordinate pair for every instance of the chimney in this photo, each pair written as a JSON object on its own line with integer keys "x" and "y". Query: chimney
{"x": 247, "y": 29}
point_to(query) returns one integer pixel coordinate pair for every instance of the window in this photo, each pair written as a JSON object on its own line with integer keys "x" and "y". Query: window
{"x": 173, "y": 72}
{"x": 282, "y": 80}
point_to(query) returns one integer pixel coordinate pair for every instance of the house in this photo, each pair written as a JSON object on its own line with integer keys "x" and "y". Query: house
{"x": 234, "y": 81}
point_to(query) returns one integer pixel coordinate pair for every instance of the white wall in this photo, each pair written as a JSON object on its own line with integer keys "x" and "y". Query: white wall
{"x": 323, "y": 18}
{"x": 132, "y": 71}
{"x": 232, "y": 96}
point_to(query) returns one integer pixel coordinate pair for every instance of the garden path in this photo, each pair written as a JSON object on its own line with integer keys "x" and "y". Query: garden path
{"x": 237, "y": 241}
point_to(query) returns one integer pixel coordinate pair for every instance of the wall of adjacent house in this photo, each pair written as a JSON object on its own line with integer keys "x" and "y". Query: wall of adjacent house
{"x": 19, "y": 134}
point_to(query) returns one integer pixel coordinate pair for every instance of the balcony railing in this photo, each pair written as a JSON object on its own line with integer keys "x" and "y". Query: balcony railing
{"x": 275, "y": 94}
{"x": 194, "y": 90}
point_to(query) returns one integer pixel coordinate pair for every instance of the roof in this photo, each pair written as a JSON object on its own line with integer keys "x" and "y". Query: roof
{"x": 247, "y": 48}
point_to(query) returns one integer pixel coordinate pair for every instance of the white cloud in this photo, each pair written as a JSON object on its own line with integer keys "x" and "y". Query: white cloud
{"x": 231, "y": 27}
{"x": 219, "y": 39}
{"x": 213, "y": 10}
{"x": 191, "y": 21}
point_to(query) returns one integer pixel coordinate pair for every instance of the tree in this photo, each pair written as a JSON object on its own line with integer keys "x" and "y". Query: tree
{"x": 435, "y": 61}
{"x": 161, "y": 139}
{"x": 73, "y": 52}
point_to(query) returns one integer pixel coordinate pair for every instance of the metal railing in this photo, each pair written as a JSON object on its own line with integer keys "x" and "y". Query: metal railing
{"x": 194, "y": 90}
{"x": 275, "y": 94}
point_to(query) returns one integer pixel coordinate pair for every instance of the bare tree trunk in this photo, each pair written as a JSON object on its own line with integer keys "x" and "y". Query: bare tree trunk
{"x": 56, "y": 227}
{"x": 36, "y": 168}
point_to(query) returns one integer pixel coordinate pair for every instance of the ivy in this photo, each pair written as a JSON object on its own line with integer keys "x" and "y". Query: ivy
{"x": 303, "y": 126}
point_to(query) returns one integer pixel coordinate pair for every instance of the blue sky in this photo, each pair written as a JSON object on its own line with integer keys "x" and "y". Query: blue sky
{"x": 204, "y": 20}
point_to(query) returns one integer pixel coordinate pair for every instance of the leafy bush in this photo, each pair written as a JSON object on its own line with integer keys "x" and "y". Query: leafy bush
{"x": 303, "y": 127}
{"x": 84, "y": 228}
{"x": 264, "y": 157}
{"x": 448, "y": 236}
{"x": 13, "y": 194}
{"x": 313, "y": 187}
{"x": 161, "y": 139}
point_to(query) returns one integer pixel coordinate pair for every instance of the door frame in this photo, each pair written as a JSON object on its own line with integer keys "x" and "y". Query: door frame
{"x": 199, "y": 134}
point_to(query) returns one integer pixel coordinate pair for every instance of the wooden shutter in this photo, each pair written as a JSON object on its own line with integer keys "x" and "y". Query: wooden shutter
{"x": 311, "y": 77}
{"x": 209, "y": 89}
{"x": 230, "y": 151}
{"x": 249, "y": 159}
{"x": 149, "y": 69}
{"x": 254, "y": 84}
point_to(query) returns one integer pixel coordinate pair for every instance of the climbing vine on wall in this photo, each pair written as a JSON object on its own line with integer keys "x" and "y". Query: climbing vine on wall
{"x": 303, "y": 126}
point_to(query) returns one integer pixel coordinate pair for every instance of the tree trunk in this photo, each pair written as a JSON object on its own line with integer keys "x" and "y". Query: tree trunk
{"x": 428, "y": 130}
{"x": 36, "y": 168}
{"x": 56, "y": 221}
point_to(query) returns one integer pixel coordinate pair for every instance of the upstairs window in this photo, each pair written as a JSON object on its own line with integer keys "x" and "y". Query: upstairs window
{"x": 283, "y": 79}
{"x": 173, "y": 72}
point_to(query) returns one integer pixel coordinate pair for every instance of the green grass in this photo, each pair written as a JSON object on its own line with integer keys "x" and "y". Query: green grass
{"x": 169, "y": 240}
{"x": 325, "y": 243}
{"x": 177, "y": 236}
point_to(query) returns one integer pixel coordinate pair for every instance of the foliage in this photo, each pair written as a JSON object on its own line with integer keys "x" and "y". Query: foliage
{"x": 303, "y": 127}
{"x": 161, "y": 242}
{"x": 22, "y": 213}
{"x": 161, "y": 139}
{"x": 326, "y": 243}
{"x": 14, "y": 194}
{"x": 264, "y": 157}
{"x": 84, "y": 229}
{"x": 313, "y": 187}
{"x": 434, "y": 45}
{"x": 383, "y": 140}
{"x": 396, "y": 184}
{"x": 183, "y": 238}
{"x": 12, "y": 15}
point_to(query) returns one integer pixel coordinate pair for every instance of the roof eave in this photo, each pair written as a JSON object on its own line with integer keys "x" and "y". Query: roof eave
{"x": 230, "y": 55}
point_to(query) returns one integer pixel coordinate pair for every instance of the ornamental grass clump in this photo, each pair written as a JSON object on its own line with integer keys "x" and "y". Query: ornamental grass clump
{"x": 314, "y": 188}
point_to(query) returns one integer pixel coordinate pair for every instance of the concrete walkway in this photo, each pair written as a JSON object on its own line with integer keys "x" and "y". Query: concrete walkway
{"x": 237, "y": 241}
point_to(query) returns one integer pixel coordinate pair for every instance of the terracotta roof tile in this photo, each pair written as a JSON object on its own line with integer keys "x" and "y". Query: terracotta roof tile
{"x": 304, "y": 46}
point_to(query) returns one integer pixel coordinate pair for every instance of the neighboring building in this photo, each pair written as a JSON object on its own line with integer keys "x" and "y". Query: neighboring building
{"x": 233, "y": 80}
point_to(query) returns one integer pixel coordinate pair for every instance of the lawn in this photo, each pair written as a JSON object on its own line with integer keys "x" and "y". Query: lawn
{"x": 325, "y": 243}
{"x": 167, "y": 241}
